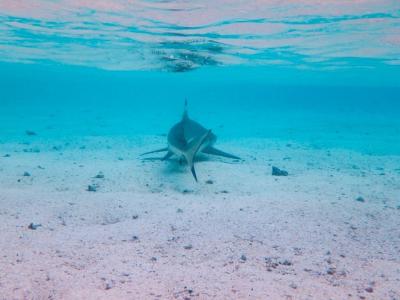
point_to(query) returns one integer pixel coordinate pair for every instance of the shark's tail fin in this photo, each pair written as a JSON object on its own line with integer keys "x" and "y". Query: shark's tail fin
{"x": 185, "y": 111}
{"x": 192, "y": 148}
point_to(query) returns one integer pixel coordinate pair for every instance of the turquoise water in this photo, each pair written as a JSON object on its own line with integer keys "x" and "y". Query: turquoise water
{"x": 325, "y": 75}
{"x": 305, "y": 92}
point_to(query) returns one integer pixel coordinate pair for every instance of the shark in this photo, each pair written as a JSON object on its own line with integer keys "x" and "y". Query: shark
{"x": 187, "y": 138}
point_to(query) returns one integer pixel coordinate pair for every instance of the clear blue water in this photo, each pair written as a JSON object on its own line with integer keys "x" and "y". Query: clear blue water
{"x": 325, "y": 75}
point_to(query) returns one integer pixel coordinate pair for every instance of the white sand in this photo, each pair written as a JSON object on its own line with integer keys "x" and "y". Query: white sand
{"x": 303, "y": 236}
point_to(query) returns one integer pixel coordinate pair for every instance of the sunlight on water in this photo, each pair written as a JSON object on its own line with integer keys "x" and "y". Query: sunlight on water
{"x": 184, "y": 35}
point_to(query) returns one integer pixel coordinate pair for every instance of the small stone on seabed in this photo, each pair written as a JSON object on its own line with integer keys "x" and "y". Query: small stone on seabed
{"x": 331, "y": 271}
{"x": 27, "y": 174}
{"x": 209, "y": 181}
{"x": 243, "y": 258}
{"x": 99, "y": 176}
{"x": 92, "y": 188}
{"x": 360, "y": 199}
{"x": 286, "y": 262}
{"x": 34, "y": 226}
{"x": 278, "y": 172}
{"x": 369, "y": 290}
{"x": 188, "y": 247}
{"x": 109, "y": 286}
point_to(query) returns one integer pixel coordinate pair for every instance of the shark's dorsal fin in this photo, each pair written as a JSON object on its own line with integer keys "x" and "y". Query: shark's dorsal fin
{"x": 185, "y": 111}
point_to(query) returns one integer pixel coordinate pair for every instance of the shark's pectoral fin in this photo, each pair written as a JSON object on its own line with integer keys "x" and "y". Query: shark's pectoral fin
{"x": 168, "y": 155}
{"x": 193, "y": 172}
{"x": 191, "y": 150}
{"x": 155, "y": 151}
{"x": 214, "y": 151}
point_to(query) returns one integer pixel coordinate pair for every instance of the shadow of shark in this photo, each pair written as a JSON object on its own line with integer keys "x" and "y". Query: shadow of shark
{"x": 188, "y": 138}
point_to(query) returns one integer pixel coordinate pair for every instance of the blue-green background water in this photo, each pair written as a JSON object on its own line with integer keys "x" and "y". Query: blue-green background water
{"x": 350, "y": 110}
{"x": 323, "y": 74}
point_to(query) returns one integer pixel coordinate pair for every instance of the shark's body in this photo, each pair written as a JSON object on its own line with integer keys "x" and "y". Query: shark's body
{"x": 188, "y": 138}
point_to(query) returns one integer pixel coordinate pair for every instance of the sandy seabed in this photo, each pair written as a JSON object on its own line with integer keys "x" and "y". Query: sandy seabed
{"x": 150, "y": 232}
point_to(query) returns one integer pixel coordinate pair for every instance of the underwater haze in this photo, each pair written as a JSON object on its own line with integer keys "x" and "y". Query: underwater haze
{"x": 324, "y": 72}
{"x": 310, "y": 88}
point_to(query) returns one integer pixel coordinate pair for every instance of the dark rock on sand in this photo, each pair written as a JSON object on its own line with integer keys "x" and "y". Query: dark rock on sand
{"x": 34, "y": 226}
{"x": 99, "y": 176}
{"x": 271, "y": 263}
{"x": 31, "y": 150}
{"x": 285, "y": 262}
{"x": 26, "y": 174}
{"x": 360, "y": 199}
{"x": 109, "y": 286}
{"x": 331, "y": 271}
{"x": 209, "y": 181}
{"x": 92, "y": 188}
{"x": 278, "y": 172}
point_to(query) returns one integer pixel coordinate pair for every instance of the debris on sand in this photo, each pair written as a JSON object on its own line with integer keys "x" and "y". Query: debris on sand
{"x": 209, "y": 181}
{"x": 278, "y": 172}
{"x": 188, "y": 247}
{"x": 26, "y": 174}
